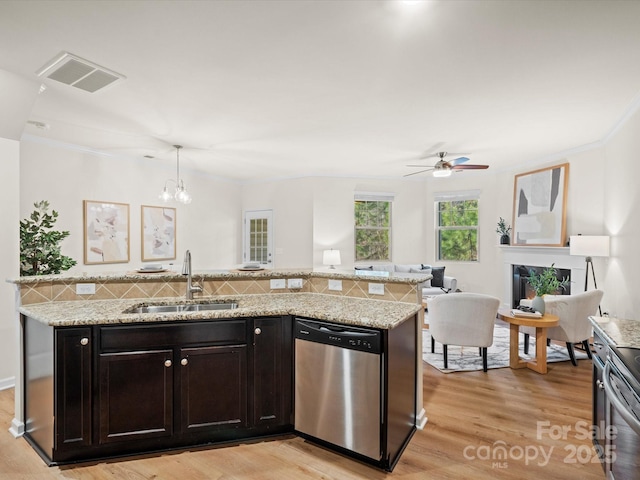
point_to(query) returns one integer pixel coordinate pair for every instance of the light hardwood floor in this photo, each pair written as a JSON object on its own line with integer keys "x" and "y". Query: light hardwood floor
{"x": 471, "y": 415}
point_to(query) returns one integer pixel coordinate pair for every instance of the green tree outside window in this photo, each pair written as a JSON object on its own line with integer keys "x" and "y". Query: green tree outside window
{"x": 372, "y": 230}
{"x": 457, "y": 230}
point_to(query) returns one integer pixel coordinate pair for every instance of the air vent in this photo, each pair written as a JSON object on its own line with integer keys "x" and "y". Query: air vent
{"x": 78, "y": 72}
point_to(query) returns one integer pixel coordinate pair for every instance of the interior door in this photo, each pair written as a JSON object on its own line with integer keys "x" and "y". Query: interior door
{"x": 258, "y": 238}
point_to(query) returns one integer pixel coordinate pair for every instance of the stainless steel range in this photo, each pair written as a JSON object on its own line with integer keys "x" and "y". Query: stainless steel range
{"x": 617, "y": 409}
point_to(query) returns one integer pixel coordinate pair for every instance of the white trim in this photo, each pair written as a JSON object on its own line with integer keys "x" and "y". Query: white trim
{"x": 374, "y": 196}
{"x": 6, "y": 383}
{"x": 459, "y": 195}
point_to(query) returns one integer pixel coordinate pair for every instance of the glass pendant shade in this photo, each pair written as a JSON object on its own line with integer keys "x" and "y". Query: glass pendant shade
{"x": 180, "y": 193}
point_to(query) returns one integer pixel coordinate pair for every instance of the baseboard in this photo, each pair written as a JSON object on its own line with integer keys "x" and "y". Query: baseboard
{"x": 421, "y": 421}
{"x": 7, "y": 383}
{"x": 17, "y": 428}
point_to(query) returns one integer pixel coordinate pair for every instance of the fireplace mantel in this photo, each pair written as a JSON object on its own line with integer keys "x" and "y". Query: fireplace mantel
{"x": 542, "y": 257}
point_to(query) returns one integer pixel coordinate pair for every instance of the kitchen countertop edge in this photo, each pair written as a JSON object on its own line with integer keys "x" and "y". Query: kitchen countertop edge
{"x": 617, "y": 331}
{"x": 381, "y": 314}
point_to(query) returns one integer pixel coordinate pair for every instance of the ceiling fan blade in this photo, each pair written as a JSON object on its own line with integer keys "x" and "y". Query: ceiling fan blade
{"x": 420, "y": 166}
{"x": 458, "y": 161}
{"x": 416, "y": 173}
{"x": 470, "y": 167}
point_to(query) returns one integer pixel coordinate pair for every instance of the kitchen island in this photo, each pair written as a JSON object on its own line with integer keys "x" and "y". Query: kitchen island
{"x": 115, "y": 331}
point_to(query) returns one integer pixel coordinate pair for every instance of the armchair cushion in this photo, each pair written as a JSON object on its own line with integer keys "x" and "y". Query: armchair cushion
{"x": 464, "y": 319}
{"x": 573, "y": 312}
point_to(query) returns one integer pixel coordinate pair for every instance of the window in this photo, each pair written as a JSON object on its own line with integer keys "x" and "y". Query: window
{"x": 373, "y": 227}
{"x": 457, "y": 226}
{"x": 258, "y": 237}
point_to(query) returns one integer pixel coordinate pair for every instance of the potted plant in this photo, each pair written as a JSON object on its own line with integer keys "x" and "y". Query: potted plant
{"x": 40, "y": 244}
{"x": 544, "y": 283}
{"x": 504, "y": 229}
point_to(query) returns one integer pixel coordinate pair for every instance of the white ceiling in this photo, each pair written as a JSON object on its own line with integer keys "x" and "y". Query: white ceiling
{"x": 272, "y": 89}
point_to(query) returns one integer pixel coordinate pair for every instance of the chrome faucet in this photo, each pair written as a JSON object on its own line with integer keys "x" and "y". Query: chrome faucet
{"x": 186, "y": 270}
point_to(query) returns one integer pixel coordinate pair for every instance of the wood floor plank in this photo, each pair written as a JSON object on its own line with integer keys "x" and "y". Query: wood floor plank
{"x": 471, "y": 416}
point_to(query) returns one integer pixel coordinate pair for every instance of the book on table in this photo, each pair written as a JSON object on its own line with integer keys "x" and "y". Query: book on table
{"x": 521, "y": 313}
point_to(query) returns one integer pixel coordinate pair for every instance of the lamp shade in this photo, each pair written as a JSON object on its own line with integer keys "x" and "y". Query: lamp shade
{"x": 589, "y": 245}
{"x": 331, "y": 257}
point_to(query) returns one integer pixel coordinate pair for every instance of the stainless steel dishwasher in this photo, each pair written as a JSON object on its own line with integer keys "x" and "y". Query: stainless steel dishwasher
{"x": 338, "y": 376}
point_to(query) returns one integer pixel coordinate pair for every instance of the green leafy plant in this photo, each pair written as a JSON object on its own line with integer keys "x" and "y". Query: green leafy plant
{"x": 546, "y": 282}
{"x": 40, "y": 244}
{"x": 503, "y": 227}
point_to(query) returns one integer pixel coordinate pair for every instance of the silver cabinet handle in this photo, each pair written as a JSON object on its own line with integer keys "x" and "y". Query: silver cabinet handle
{"x": 599, "y": 384}
{"x": 167, "y": 363}
{"x": 84, "y": 341}
{"x": 184, "y": 362}
{"x": 257, "y": 331}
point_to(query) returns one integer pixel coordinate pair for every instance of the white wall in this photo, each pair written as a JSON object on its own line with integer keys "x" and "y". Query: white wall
{"x": 333, "y": 214}
{"x": 292, "y": 204}
{"x": 209, "y": 226}
{"x": 9, "y": 260}
{"x": 17, "y": 96}
{"x": 622, "y": 220}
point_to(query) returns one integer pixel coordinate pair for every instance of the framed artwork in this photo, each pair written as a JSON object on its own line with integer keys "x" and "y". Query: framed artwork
{"x": 106, "y": 232}
{"x": 539, "y": 207}
{"x": 158, "y": 233}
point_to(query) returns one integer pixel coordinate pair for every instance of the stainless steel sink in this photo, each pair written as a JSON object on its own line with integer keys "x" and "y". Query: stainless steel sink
{"x": 179, "y": 308}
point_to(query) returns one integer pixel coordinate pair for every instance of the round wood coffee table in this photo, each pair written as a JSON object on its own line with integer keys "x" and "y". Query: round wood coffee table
{"x": 539, "y": 364}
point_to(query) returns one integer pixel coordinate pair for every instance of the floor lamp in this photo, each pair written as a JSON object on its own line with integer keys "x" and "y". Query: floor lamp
{"x": 589, "y": 246}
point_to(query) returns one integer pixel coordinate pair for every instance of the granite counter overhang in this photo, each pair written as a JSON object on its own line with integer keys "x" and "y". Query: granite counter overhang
{"x": 396, "y": 277}
{"x": 617, "y": 331}
{"x": 346, "y": 310}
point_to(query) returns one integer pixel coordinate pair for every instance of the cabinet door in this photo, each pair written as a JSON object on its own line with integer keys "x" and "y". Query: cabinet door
{"x": 272, "y": 371}
{"x": 136, "y": 395}
{"x": 213, "y": 388}
{"x": 73, "y": 387}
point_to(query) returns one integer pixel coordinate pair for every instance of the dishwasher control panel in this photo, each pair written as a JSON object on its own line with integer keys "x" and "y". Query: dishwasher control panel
{"x": 344, "y": 336}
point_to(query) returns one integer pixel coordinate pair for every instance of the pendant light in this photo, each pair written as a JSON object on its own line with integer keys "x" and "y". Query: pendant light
{"x": 180, "y": 193}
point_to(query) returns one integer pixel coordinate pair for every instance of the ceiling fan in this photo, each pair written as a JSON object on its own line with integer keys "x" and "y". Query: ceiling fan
{"x": 444, "y": 168}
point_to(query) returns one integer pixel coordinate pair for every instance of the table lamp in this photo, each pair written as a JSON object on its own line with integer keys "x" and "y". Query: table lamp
{"x": 331, "y": 258}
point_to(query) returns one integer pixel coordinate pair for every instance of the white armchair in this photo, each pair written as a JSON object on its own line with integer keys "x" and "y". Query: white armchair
{"x": 464, "y": 319}
{"x": 573, "y": 312}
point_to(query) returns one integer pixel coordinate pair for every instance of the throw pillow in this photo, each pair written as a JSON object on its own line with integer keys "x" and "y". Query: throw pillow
{"x": 438, "y": 276}
{"x": 364, "y": 268}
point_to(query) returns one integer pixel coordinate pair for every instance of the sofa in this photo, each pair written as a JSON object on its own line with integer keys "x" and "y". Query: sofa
{"x": 438, "y": 285}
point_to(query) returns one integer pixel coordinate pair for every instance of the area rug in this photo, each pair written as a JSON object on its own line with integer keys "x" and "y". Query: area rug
{"x": 466, "y": 359}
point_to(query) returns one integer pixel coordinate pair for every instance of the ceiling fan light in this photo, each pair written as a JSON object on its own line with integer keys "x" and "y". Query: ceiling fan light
{"x": 441, "y": 172}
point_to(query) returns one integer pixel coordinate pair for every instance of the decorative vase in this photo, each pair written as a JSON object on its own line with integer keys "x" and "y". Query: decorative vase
{"x": 538, "y": 304}
{"x": 505, "y": 240}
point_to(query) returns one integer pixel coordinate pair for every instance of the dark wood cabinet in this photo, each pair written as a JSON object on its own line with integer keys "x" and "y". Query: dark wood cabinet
{"x": 122, "y": 389}
{"x": 73, "y": 376}
{"x": 135, "y": 399}
{"x": 213, "y": 391}
{"x": 272, "y": 371}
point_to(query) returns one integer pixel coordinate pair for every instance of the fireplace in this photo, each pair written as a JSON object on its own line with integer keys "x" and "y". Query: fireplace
{"x": 520, "y": 285}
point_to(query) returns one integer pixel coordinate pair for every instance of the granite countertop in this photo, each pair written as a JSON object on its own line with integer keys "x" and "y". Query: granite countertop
{"x": 347, "y": 310}
{"x": 409, "y": 278}
{"x": 617, "y": 331}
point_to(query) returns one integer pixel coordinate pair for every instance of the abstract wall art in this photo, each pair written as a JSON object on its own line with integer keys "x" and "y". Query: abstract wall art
{"x": 539, "y": 207}
{"x": 106, "y": 232}
{"x": 158, "y": 233}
